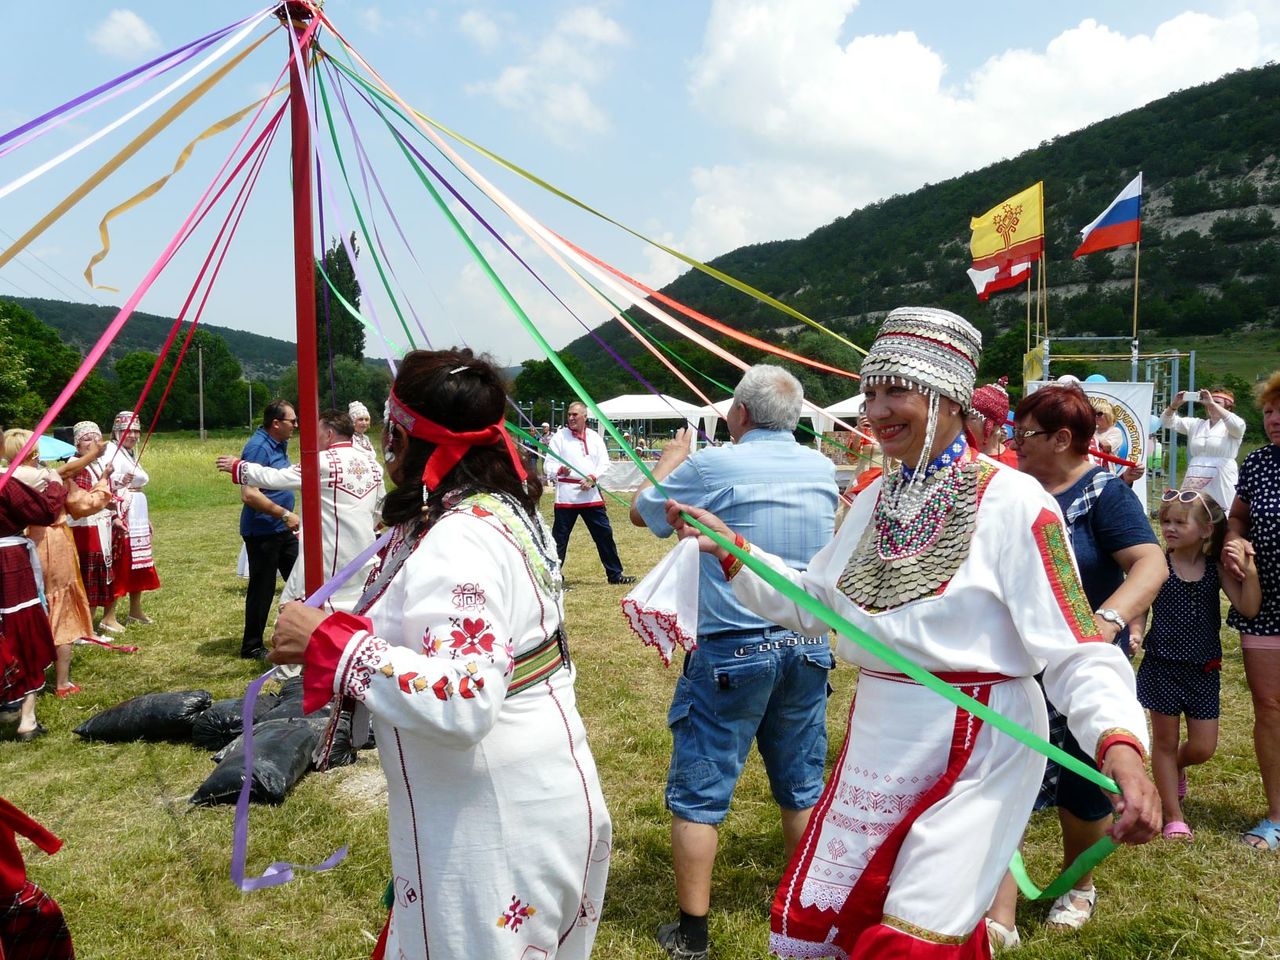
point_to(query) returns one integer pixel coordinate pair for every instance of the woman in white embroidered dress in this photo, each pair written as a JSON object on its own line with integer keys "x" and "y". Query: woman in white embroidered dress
{"x": 1213, "y": 443}
{"x": 134, "y": 568}
{"x": 500, "y": 839}
{"x": 962, "y": 565}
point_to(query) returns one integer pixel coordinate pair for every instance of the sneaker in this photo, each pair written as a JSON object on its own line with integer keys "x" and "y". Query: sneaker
{"x": 673, "y": 942}
{"x": 624, "y": 579}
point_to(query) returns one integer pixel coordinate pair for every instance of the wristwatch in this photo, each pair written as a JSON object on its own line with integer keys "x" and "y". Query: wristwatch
{"x": 1109, "y": 615}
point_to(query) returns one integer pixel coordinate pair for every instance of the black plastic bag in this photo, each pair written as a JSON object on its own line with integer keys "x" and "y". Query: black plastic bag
{"x": 281, "y": 754}
{"x": 288, "y": 704}
{"x": 152, "y": 716}
{"x": 223, "y": 721}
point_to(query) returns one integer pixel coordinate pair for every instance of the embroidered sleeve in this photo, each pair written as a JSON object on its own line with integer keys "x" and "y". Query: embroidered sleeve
{"x": 334, "y": 647}
{"x": 1089, "y": 681}
{"x": 446, "y": 673}
{"x": 267, "y": 478}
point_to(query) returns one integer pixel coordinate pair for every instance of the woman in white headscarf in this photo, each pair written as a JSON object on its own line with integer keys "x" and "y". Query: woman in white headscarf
{"x": 360, "y": 420}
{"x": 134, "y": 568}
{"x": 92, "y": 534}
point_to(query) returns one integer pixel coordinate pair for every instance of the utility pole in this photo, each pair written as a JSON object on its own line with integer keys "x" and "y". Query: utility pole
{"x": 250, "y": 384}
{"x": 200, "y": 377}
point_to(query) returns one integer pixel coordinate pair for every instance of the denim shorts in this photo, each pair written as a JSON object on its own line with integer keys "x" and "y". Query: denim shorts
{"x": 768, "y": 687}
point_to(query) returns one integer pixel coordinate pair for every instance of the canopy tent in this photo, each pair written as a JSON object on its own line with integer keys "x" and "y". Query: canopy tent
{"x": 646, "y": 406}
{"x": 848, "y": 410}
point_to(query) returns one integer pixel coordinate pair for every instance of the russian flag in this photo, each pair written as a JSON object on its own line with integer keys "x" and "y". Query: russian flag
{"x": 1119, "y": 224}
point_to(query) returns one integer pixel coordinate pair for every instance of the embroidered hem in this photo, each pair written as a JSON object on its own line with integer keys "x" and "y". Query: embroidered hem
{"x": 920, "y": 933}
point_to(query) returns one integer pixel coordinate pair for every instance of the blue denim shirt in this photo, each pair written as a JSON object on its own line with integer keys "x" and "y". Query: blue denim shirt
{"x": 768, "y": 488}
{"x": 270, "y": 453}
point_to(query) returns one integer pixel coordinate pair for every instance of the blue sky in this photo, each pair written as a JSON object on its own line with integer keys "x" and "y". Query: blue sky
{"x": 705, "y": 125}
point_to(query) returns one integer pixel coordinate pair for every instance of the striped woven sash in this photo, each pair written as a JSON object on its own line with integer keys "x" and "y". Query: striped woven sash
{"x": 539, "y": 663}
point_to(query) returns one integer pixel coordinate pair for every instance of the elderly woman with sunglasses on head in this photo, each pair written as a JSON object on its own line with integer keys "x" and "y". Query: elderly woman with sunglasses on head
{"x": 962, "y": 565}
{"x": 1213, "y": 442}
{"x": 1256, "y": 515}
{"x": 1122, "y": 569}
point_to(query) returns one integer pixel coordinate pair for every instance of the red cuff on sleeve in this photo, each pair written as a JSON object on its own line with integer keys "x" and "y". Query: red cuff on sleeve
{"x": 1111, "y": 738}
{"x": 324, "y": 653}
{"x": 235, "y": 470}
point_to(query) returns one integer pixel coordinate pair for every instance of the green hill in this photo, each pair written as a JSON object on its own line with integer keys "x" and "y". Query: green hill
{"x": 1210, "y": 262}
{"x": 81, "y": 324}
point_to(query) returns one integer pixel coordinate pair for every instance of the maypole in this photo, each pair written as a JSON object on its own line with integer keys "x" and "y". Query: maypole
{"x": 296, "y": 15}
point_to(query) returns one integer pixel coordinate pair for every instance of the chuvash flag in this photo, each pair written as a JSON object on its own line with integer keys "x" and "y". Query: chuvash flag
{"x": 1006, "y": 239}
{"x": 1119, "y": 224}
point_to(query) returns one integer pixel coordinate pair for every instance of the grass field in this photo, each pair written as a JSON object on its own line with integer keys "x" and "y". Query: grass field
{"x": 142, "y": 874}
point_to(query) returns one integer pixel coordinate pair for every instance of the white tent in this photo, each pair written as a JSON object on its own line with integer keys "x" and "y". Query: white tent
{"x": 847, "y": 410}
{"x": 646, "y": 406}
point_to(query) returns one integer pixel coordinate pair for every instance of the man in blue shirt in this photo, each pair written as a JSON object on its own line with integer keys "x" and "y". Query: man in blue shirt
{"x": 748, "y": 680}
{"x": 267, "y": 524}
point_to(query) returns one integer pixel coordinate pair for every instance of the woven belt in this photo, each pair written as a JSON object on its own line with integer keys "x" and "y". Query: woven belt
{"x": 958, "y": 678}
{"x": 539, "y": 663}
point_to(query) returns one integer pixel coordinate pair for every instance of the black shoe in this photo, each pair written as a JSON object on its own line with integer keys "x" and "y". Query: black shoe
{"x": 671, "y": 940}
{"x": 257, "y": 653}
{"x": 28, "y": 735}
{"x": 624, "y": 579}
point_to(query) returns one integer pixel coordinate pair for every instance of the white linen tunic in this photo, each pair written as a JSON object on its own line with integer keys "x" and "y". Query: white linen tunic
{"x": 1212, "y": 448}
{"x": 500, "y": 840}
{"x": 350, "y": 497}
{"x": 1014, "y": 607}
{"x": 575, "y": 459}
{"x": 127, "y": 480}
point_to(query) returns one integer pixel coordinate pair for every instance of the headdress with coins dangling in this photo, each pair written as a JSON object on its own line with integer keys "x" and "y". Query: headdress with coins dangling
{"x": 931, "y": 350}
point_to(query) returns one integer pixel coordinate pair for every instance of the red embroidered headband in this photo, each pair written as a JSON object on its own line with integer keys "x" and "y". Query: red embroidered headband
{"x": 451, "y": 445}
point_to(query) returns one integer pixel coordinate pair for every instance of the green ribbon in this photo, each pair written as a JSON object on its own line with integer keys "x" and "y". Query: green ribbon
{"x": 1066, "y": 880}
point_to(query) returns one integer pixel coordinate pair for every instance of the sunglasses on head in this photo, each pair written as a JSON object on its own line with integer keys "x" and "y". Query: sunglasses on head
{"x": 1189, "y": 496}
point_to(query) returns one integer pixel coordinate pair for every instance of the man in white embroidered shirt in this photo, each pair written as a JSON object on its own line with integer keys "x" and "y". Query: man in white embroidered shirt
{"x": 577, "y": 460}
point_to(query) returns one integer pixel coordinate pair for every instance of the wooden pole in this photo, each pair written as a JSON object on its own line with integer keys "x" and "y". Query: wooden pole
{"x": 200, "y": 385}
{"x": 298, "y": 15}
{"x": 1030, "y": 340}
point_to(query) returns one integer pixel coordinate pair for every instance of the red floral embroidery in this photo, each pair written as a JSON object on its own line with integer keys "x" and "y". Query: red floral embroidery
{"x": 442, "y": 688}
{"x": 471, "y": 637}
{"x": 516, "y": 914}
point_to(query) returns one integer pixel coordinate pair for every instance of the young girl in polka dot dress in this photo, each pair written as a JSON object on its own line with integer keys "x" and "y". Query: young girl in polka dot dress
{"x": 1183, "y": 652}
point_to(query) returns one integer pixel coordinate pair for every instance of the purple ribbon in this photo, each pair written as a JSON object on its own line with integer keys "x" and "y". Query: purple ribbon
{"x": 281, "y": 872}
{"x": 198, "y": 45}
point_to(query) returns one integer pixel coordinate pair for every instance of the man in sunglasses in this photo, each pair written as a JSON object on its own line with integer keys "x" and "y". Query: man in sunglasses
{"x": 267, "y": 524}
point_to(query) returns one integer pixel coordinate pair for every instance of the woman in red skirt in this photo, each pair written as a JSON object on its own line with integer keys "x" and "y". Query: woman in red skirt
{"x": 93, "y": 533}
{"x": 26, "y": 642}
{"x": 133, "y": 567}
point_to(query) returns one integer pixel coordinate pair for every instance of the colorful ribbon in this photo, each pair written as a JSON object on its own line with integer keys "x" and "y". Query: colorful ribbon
{"x": 147, "y": 135}
{"x": 156, "y": 186}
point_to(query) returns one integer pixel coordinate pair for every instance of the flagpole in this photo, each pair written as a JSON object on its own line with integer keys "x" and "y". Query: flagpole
{"x": 1029, "y": 341}
{"x": 1137, "y": 259}
{"x": 1044, "y": 286}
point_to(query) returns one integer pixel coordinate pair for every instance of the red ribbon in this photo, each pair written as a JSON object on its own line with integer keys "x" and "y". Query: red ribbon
{"x": 451, "y": 445}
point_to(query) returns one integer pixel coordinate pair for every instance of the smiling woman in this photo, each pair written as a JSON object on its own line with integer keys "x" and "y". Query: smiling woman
{"x": 962, "y": 565}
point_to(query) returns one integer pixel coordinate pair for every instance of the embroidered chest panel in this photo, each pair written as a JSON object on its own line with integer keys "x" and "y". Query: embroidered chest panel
{"x": 893, "y": 565}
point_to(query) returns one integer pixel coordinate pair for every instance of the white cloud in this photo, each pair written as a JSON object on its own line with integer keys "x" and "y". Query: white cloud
{"x": 832, "y": 124}
{"x": 481, "y": 29}
{"x": 372, "y": 20}
{"x": 552, "y": 84}
{"x": 126, "y": 35}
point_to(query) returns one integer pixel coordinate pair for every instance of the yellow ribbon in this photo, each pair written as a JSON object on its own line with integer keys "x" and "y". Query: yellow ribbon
{"x": 150, "y": 191}
{"x": 147, "y": 135}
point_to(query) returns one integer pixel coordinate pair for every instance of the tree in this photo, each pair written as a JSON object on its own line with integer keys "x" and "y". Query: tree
{"x": 49, "y": 365}
{"x": 19, "y": 405}
{"x": 361, "y": 380}
{"x": 540, "y": 382}
{"x": 342, "y": 333}
{"x": 225, "y": 391}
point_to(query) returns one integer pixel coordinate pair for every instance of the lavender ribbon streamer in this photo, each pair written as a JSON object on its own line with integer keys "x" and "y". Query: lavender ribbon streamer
{"x": 281, "y": 872}
{"x": 497, "y": 236}
{"x": 101, "y": 88}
